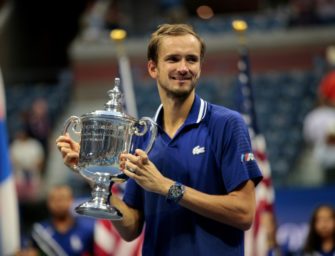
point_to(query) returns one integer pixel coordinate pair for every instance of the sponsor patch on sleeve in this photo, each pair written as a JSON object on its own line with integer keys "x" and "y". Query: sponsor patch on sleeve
{"x": 247, "y": 157}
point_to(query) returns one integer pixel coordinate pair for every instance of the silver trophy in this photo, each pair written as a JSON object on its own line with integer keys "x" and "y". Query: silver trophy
{"x": 104, "y": 135}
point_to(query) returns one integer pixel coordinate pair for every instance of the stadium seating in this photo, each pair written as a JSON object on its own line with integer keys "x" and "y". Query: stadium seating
{"x": 19, "y": 98}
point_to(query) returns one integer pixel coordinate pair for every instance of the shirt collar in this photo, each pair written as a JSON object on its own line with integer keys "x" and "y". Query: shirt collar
{"x": 197, "y": 113}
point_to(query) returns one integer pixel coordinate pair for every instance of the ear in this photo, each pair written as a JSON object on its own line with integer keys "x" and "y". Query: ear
{"x": 152, "y": 69}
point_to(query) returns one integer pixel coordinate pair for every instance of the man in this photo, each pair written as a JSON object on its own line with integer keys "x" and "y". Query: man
{"x": 62, "y": 234}
{"x": 194, "y": 191}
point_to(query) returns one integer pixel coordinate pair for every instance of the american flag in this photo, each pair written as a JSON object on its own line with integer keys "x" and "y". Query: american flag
{"x": 9, "y": 221}
{"x": 256, "y": 242}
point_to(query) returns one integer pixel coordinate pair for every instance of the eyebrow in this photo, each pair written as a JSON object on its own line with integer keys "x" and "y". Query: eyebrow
{"x": 178, "y": 55}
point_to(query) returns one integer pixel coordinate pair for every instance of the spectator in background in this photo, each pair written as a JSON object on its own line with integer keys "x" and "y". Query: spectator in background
{"x": 62, "y": 234}
{"x": 325, "y": 154}
{"x": 38, "y": 124}
{"x": 319, "y": 128}
{"x": 27, "y": 158}
{"x": 320, "y": 119}
{"x": 321, "y": 236}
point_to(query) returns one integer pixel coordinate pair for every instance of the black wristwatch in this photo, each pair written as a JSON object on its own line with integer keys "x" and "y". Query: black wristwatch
{"x": 175, "y": 193}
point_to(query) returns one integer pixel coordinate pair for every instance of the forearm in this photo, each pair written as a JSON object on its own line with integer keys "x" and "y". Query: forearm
{"x": 235, "y": 209}
{"x": 130, "y": 227}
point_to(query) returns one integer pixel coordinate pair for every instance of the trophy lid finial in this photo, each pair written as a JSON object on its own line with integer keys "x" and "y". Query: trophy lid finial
{"x": 115, "y": 95}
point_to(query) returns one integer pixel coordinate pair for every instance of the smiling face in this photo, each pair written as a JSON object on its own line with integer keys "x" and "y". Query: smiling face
{"x": 178, "y": 66}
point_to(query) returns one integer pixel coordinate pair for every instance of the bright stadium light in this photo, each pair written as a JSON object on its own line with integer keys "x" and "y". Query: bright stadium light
{"x": 118, "y": 34}
{"x": 239, "y": 25}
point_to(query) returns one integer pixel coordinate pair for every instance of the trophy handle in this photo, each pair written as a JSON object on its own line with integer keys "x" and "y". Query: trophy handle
{"x": 74, "y": 121}
{"x": 146, "y": 122}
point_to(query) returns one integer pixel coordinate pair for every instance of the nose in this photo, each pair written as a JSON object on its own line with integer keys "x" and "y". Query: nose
{"x": 183, "y": 67}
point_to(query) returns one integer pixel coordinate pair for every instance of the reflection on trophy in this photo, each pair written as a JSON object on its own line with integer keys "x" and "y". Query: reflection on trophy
{"x": 104, "y": 135}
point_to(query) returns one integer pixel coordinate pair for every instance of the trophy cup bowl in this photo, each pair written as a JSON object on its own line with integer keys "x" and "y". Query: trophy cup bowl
{"x": 104, "y": 135}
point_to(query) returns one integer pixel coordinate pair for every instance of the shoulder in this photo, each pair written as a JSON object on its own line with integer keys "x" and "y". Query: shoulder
{"x": 224, "y": 116}
{"x": 42, "y": 229}
{"x": 44, "y": 223}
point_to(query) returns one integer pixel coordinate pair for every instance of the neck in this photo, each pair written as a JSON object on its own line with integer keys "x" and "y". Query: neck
{"x": 328, "y": 244}
{"x": 176, "y": 112}
{"x": 62, "y": 225}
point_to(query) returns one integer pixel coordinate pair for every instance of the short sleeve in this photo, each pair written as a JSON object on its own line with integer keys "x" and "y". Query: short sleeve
{"x": 233, "y": 151}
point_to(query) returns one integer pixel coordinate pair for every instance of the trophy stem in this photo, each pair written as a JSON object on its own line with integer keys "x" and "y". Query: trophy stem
{"x": 98, "y": 206}
{"x": 101, "y": 188}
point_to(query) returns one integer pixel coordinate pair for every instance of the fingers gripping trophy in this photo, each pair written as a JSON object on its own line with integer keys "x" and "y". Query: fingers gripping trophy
{"x": 104, "y": 135}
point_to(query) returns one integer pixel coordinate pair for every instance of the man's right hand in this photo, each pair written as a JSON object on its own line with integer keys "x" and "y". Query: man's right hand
{"x": 69, "y": 150}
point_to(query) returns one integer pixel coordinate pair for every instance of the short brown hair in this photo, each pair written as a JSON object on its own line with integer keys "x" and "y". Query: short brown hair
{"x": 171, "y": 30}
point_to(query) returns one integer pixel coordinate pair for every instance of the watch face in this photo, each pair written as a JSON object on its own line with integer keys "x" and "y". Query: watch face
{"x": 176, "y": 192}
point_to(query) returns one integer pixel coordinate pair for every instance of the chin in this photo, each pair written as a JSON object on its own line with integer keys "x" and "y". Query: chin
{"x": 61, "y": 215}
{"x": 181, "y": 94}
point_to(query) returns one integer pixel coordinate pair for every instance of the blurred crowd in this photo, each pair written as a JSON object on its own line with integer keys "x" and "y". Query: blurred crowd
{"x": 312, "y": 12}
{"x": 29, "y": 151}
{"x": 319, "y": 127}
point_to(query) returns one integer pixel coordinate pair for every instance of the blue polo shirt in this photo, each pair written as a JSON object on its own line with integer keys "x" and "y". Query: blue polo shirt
{"x": 211, "y": 153}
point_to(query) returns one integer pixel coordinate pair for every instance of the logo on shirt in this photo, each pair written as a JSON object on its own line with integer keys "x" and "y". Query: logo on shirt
{"x": 198, "y": 150}
{"x": 76, "y": 243}
{"x": 247, "y": 157}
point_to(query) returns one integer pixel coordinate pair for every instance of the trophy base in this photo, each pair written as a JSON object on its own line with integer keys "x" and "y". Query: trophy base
{"x": 101, "y": 211}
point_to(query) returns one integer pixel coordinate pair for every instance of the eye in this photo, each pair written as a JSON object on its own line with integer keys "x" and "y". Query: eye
{"x": 172, "y": 59}
{"x": 192, "y": 59}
